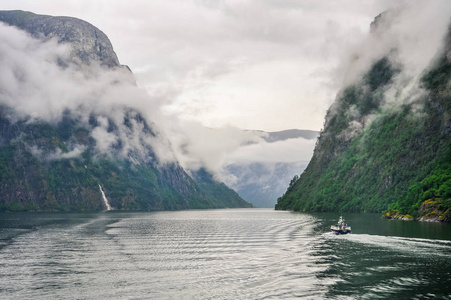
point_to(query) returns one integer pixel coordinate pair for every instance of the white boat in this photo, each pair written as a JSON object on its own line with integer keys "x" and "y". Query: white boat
{"x": 341, "y": 227}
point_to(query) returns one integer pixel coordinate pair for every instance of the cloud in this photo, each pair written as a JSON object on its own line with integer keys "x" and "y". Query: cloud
{"x": 287, "y": 151}
{"x": 270, "y": 178}
{"x": 57, "y": 154}
{"x": 267, "y": 65}
{"x": 104, "y": 140}
{"x": 189, "y": 52}
{"x": 411, "y": 36}
{"x": 108, "y": 95}
{"x": 197, "y": 146}
{"x": 261, "y": 171}
{"x": 35, "y": 83}
{"x": 412, "y": 32}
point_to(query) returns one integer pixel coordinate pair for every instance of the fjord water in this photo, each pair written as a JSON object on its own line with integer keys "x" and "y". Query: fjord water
{"x": 220, "y": 254}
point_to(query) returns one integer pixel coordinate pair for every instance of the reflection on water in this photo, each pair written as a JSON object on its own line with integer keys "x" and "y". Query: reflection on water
{"x": 220, "y": 254}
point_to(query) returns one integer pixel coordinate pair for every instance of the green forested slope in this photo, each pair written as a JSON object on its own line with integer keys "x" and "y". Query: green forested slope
{"x": 400, "y": 161}
{"x": 37, "y": 172}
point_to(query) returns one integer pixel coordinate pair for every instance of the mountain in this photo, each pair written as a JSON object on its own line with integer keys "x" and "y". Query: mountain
{"x": 214, "y": 190}
{"x": 258, "y": 165}
{"x": 386, "y": 142}
{"x": 88, "y": 43}
{"x": 261, "y": 183}
{"x": 72, "y": 136}
{"x": 276, "y": 136}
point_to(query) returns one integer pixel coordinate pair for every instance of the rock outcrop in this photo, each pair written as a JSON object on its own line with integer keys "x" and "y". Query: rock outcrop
{"x": 88, "y": 43}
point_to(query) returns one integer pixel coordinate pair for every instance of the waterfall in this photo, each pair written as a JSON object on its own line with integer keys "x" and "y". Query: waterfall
{"x": 105, "y": 200}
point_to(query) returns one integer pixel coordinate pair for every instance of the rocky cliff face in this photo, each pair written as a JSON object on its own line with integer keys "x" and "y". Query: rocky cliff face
{"x": 88, "y": 44}
{"x": 91, "y": 142}
{"x": 386, "y": 140}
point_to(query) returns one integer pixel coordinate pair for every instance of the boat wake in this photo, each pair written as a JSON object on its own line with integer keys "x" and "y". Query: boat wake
{"x": 389, "y": 267}
{"x": 405, "y": 244}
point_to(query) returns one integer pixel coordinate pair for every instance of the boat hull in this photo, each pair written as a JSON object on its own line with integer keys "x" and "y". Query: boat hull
{"x": 340, "y": 230}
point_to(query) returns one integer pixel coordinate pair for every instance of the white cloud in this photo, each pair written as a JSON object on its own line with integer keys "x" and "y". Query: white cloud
{"x": 34, "y": 84}
{"x": 412, "y": 31}
{"x": 186, "y": 52}
{"x": 269, "y": 65}
{"x": 411, "y": 35}
{"x": 197, "y": 146}
{"x": 287, "y": 151}
{"x": 104, "y": 139}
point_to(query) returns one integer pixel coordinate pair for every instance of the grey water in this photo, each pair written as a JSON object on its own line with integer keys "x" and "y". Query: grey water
{"x": 220, "y": 254}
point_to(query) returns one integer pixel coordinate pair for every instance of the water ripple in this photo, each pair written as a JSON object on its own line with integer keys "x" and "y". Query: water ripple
{"x": 215, "y": 254}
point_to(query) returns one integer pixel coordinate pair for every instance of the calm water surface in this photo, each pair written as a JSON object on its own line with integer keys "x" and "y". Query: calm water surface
{"x": 220, "y": 254}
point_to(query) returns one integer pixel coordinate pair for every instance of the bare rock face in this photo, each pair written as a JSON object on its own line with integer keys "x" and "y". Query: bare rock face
{"x": 88, "y": 43}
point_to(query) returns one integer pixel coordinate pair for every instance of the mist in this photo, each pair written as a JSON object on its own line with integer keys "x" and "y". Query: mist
{"x": 410, "y": 37}
{"x": 183, "y": 92}
{"x": 40, "y": 81}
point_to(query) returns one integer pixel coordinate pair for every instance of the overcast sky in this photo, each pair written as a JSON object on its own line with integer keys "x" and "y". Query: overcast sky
{"x": 269, "y": 65}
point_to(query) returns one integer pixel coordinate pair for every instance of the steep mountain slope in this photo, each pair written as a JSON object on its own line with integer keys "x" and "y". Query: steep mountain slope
{"x": 214, "y": 190}
{"x": 66, "y": 135}
{"x": 386, "y": 142}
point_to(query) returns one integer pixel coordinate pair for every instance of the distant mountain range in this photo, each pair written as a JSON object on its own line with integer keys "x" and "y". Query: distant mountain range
{"x": 283, "y": 135}
{"x": 261, "y": 183}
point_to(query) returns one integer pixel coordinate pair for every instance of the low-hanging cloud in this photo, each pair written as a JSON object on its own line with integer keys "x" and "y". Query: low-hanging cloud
{"x": 39, "y": 80}
{"x": 197, "y": 146}
{"x": 410, "y": 35}
{"x": 34, "y": 84}
{"x": 185, "y": 52}
{"x": 288, "y": 151}
{"x": 286, "y": 39}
